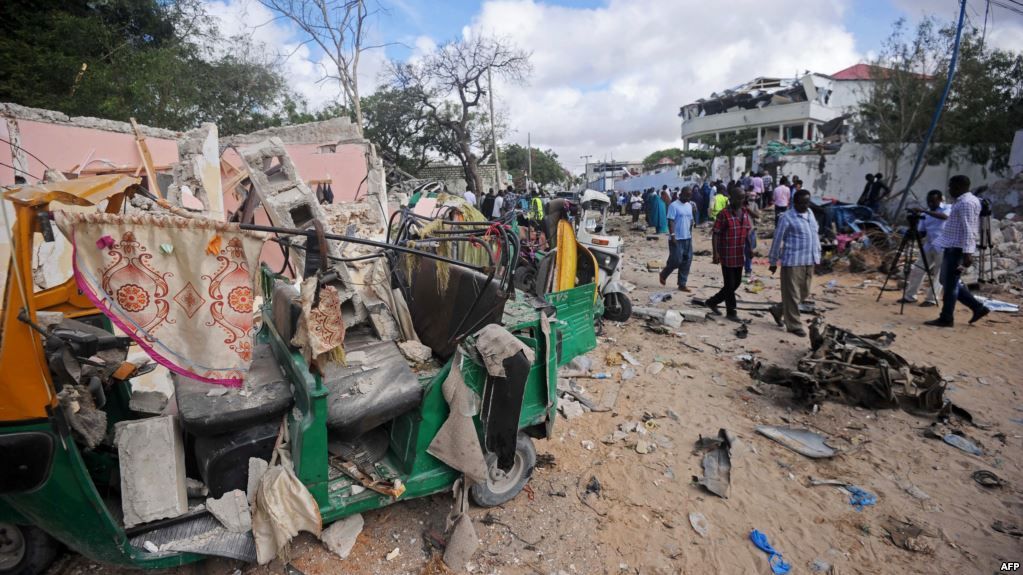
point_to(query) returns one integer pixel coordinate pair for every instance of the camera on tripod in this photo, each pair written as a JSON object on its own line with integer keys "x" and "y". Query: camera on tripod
{"x": 913, "y": 217}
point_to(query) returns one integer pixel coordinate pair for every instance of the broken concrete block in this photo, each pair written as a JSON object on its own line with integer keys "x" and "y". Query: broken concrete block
{"x": 151, "y": 402}
{"x": 152, "y": 462}
{"x": 232, "y": 511}
{"x": 257, "y": 467}
{"x": 340, "y": 537}
{"x": 570, "y": 409}
{"x": 415, "y": 351}
{"x": 672, "y": 319}
{"x": 693, "y": 314}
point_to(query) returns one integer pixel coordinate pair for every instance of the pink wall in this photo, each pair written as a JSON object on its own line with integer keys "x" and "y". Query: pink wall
{"x": 62, "y": 147}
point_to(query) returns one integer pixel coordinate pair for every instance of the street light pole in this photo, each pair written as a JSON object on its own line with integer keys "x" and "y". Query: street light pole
{"x": 586, "y": 168}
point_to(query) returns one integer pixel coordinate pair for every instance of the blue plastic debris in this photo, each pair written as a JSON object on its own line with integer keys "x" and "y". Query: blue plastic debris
{"x": 860, "y": 498}
{"x": 962, "y": 443}
{"x": 774, "y": 558}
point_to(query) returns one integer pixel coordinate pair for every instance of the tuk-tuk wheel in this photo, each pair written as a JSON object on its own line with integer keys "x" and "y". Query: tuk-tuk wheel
{"x": 25, "y": 550}
{"x": 617, "y": 307}
{"x": 501, "y": 487}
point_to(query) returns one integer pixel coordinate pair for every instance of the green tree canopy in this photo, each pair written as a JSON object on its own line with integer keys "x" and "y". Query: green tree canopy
{"x": 546, "y": 167}
{"x": 162, "y": 62}
{"x": 674, "y": 154}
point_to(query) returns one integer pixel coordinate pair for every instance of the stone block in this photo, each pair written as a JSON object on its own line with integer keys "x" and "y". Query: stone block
{"x": 232, "y": 510}
{"x": 340, "y": 537}
{"x": 151, "y": 402}
{"x": 257, "y": 467}
{"x": 152, "y": 462}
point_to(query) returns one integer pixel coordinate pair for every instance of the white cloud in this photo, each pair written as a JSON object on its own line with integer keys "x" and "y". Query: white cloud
{"x": 1004, "y": 28}
{"x": 609, "y": 81}
{"x": 304, "y": 64}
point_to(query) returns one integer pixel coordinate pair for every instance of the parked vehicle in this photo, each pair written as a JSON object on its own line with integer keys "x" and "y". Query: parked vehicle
{"x": 608, "y": 250}
{"x": 55, "y": 489}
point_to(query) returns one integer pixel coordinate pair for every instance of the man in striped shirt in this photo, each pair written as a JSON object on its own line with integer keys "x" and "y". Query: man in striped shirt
{"x": 797, "y": 244}
{"x": 959, "y": 242}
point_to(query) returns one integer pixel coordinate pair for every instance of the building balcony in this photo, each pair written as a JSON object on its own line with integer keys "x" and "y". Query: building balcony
{"x": 774, "y": 117}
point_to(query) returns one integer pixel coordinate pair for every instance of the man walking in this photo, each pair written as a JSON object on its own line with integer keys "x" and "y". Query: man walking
{"x": 930, "y": 227}
{"x": 782, "y": 194}
{"x": 798, "y": 246}
{"x": 959, "y": 242}
{"x": 681, "y": 220}
{"x": 470, "y": 197}
{"x": 731, "y": 228}
{"x": 495, "y": 213}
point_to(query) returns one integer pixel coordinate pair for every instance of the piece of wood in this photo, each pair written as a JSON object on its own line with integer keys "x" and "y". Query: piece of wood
{"x": 147, "y": 159}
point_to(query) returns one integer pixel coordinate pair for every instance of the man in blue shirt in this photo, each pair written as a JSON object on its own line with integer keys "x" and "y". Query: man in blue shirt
{"x": 681, "y": 219}
{"x": 931, "y": 224}
{"x": 798, "y": 246}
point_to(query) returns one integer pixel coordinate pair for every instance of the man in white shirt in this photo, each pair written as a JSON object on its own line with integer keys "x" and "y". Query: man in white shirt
{"x": 469, "y": 196}
{"x": 930, "y": 228}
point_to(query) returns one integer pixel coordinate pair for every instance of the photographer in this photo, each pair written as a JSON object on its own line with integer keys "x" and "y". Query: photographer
{"x": 929, "y": 224}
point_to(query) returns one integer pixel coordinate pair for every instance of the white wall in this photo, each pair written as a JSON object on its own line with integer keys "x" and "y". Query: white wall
{"x": 843, "y": 175}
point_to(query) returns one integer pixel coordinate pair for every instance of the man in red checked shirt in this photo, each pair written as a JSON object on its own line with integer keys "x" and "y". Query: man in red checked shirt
{"x": 731, "y": 228}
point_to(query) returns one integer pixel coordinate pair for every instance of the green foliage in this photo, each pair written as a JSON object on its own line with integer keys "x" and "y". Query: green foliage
{"x": 397, "y": 122}
{"x": 162, "y": 62}
{"x": 546, "y": 167}
{"x": 982, "y": 112}
{"x": 674, "y": 154}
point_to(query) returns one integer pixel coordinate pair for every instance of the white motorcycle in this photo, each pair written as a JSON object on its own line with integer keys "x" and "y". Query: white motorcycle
{"x": 608, "y": 250}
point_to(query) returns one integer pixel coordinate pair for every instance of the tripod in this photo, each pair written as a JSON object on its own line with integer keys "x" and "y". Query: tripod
{"x": 986, "y": 267}
{"x": 906, "y": 247}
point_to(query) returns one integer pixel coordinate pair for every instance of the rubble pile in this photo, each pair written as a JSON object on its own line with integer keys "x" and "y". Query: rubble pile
{"x": 859, "y": 370}
{"x": 1007, "y": 251}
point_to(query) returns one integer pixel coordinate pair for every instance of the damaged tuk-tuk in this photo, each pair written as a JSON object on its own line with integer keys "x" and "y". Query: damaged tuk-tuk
{"x": 361, "y": 415}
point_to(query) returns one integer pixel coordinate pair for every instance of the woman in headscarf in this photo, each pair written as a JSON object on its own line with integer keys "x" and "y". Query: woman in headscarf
{"x": 659, "y": 211}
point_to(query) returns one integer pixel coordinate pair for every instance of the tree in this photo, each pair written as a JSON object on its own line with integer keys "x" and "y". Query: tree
{"x": 398, "y": 124}
{"x": 546, "y": 167}
{"x": 162, "y": 62}
{"x": 450, "y": 84}
{"x": 982, "y": 111}
{"x": 673, "y": 154}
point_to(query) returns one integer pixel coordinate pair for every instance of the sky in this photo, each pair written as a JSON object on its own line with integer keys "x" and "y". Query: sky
{"x": 608, "y": 76}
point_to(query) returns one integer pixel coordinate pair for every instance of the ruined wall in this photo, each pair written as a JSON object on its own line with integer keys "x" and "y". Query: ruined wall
{"x": 843, "y": 174}
{"x": 454, "y": 176}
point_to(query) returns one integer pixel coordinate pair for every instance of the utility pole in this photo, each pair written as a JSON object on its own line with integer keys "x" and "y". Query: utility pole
{"x": 529, "y": 161}
{"x": 586, "y": 168}
{"x": 493, "y": 134}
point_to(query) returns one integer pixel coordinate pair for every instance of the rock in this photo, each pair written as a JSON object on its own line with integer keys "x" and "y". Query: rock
{"x": 587, "y": 444}
{"x": 654, "y": 368}
{"x": 643, "y": 447}
{"x": 257, "y": 467}
{"x": 693, "y": 314}
{"x": 571, "y": 409}
{"x": 1011, "y": 233}
{"x": 232, "y": 510}
{"x": 629, "y": 358}
{"x": 151, "y": 402}
{"x": 415, "y": 351}
{"x": 151, "y": 456}
{"x": 673, "y": 415}
{"x": 340, "y": 537}
{"x": 393, "y": 554}
{"x": 1006, "y": 263}
{"x": 672, "y": 319}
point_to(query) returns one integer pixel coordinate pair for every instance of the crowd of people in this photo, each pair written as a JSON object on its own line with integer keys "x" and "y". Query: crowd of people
{"x": 949, "y": 235}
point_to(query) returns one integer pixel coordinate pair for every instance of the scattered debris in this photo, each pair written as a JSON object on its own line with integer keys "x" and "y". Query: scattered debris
{"x": 232, "y": 510}
{"x": 998, "y": 305}
{"x": 988, "y": 479}
{"x": 150, "y": 402}
{"x": 393, "y": 554}
{"x": 643, "y": 447}
{"x": 1007, "y": 528}
{"x": 742, "y": 331}
{"x": 340, "y": 537}
{"x": 860, "y": 498}
{"x": 774, "y": 558}
{"x": 802, "y": 441}
{"x": 907, "y": 536}
{"x": 629, "y": 358}
{"x": 914, "y": 491}
{"x": 570, "y": 409}
{"x": 960, "y": 442}
{"x": 654, "y": 368}
{"x": 717, "y": 462}
{"x": 859, "y": 370}
{"x": 660, "y": 297}
{"x": 415, "y": 351}
{"x": 699, "y": 523}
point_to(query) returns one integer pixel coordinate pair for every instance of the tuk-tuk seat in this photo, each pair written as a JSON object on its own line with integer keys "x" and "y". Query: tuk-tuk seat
{"x": 267, "y": 395}
{"x": 374, "y": 387}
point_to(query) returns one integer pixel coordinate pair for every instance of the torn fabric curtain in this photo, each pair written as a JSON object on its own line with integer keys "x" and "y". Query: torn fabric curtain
{"x": 191, "y": 310}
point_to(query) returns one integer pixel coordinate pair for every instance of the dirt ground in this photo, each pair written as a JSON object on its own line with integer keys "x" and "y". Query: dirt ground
{"x": 639, "y": 523}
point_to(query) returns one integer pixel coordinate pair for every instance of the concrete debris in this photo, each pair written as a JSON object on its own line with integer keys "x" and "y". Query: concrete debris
{"x": 257, "y": 467}
{"x": 629, "y": 358}
{"x": 151, "y": 454}
{"x": 88, "y": 423}
{"x": 415, "y": 352}
{"x": 570, "y": 409}
{"x": 393, "y": 554}
{"x": 340, "y": 537}
{"x": 150, "y": 402}
{"x": 195, "y": 488}
{"x": 232, "y": 510}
